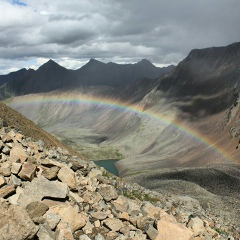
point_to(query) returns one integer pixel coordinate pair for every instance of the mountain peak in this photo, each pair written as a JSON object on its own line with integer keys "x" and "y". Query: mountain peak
{"x": 145, "y": 62}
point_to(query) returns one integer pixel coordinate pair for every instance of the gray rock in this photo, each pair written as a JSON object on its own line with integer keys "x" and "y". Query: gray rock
{"x": 40, "y": 188}
{"x": 152, "y": 232}
{"x": 6, "y": 150}
{"x": 84, "y": 237}
{"x": 36, "y": 209}
{"x": 99, "y": 215}
{"x": 52, "y": 219}
{"x": 15, "y": 181}
{"x": 50, "y": 173}
{"x": 15, "y": 223}
{"x": 113, "y": 224}
{"x": 99, "y": 237}
{"x": 108, "y": 192}
{"x": 45, "y": 233}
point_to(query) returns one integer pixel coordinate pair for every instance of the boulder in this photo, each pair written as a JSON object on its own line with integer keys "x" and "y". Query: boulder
{"x": 98, "y": 215}
{"x": 113, "y": 224}
{"x": 41, "y": 188}
{"x": 15, "y": 223}
{"x": 36, "y": 209}
{"x": 18, "y": 153}
{"x": 50, "y": 173}
{"x": 28, "y": 171}
{"x": 70, "y": 215}
{"x": 45, "y": 233}
{"x": 108, "y": 192}
{"x": 67, "y": 175}
{"x": 172, "y": 230}
{"x": 52, "y": 219}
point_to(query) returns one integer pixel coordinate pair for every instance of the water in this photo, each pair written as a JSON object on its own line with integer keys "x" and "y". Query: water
{"x": 108, "y": 165}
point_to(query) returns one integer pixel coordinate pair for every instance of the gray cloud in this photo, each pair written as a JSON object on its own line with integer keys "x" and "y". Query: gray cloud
{"x": 122, "y": 31}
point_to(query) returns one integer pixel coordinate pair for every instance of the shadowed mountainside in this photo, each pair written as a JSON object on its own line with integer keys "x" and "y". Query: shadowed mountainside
{"x": 51, "y": 76}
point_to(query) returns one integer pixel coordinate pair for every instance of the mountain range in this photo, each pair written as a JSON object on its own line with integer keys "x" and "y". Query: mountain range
{"x": 51, "y": 76}
{"x": 176, "y": 129}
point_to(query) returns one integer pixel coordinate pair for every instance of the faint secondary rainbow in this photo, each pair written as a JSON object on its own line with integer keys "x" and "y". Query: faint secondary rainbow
{"x": 116, "y": 104}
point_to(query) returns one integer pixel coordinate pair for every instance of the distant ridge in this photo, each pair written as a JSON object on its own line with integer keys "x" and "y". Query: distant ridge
{"x": 51, "y": 76}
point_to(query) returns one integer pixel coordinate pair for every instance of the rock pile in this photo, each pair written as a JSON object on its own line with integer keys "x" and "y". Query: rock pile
{"x": 48, "y": 194}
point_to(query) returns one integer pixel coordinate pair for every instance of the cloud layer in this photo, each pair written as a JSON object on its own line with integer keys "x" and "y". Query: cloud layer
{"x": 71, "y": 32}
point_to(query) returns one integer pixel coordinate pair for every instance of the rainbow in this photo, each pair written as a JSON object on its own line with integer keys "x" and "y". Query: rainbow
{"x": 74, "y": 98}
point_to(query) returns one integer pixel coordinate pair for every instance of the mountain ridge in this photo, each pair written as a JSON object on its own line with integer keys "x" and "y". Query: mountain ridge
{"x": 51, "y": 76}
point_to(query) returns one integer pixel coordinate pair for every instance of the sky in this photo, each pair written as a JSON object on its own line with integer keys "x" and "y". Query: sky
{"x": 121, "y": 31}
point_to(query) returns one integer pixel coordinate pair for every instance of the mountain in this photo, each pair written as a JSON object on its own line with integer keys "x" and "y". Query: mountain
{"x": 51, "y": 76}
{"x": 177, "y": 134}
{"x": 47, "y": 193}
{"x": 205, "y": 80}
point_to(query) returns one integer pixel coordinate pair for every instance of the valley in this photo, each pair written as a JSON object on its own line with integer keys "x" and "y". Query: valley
{"x": 176, "y": 132}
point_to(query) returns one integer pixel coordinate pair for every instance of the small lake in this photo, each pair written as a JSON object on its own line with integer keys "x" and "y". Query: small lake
{"x": 109, "y": 165}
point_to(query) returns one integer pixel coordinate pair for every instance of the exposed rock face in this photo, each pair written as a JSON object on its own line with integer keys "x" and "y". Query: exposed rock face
{"x": 76, "y": 201}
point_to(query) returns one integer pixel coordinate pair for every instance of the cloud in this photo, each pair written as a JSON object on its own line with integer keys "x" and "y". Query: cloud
{"x": 71, "y": 32}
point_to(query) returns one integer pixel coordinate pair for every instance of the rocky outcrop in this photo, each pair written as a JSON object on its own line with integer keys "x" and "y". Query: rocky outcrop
{"x": 49, "y": 194}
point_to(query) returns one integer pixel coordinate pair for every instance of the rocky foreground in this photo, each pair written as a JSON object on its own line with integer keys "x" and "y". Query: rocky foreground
{"x": 46, "y": 194}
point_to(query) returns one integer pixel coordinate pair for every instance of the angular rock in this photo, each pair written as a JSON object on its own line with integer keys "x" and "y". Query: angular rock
{"x": 84, "y": 237}
{"x": 6, "y": 150}
{"x": 94, "y": 173}
{"x": 15, "y": 181}
{"x": 88, "y": 228}
{"x": 99, "y": 237}
{"x": 113, "y": 224}
{"x": 7, "y": 138}
{"x": 52, "y": 219}
{"x": 149, "y": 210}
{"x": 64, "y": 232}
{"x": 50, "y": 173}
{"x": 120, "y": 204}
{"x": 108, "y": 192}
{"x": 196, "y": 224}
{"x": 7, "y": 191}
{"x": 45, "y": 233}
{"x": 3, "y": 157}
{"x": 36, "y": 209}
{"x": 172, "y": 230}
{"x": 134, "y": 207}
{"x": 99, "y": 215}
{"x": 152, "y": 232}
{"x": 2, "y": 181}
{"x": 28, "y": 171}
{"x": 67, "y": 175}
{"x": 75, "y": 197}
{"x": 42, "y": 188}
{"x": 18, "y": 226}
{"x": 5, "y": 169}
{"x": 124, "y": 216}
{"x": 18, "y": 153}
{"x": 16, "y": 167}
{"x": 70, "y": 215}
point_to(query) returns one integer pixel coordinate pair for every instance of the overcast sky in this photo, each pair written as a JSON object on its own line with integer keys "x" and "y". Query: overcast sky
{"x": 122, "y": 31}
